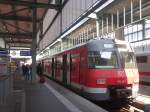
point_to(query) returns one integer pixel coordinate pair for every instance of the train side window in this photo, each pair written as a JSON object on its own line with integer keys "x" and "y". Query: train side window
{"x": 83, "y": 61}
{"x": 141, "y": 59}
{"x": 72, "y": 65}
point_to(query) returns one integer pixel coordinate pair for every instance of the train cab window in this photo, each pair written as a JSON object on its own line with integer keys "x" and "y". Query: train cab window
{"x": 105, "y": 59}
{"x": 128, "y": 59}
{"x": 141, "y": 59}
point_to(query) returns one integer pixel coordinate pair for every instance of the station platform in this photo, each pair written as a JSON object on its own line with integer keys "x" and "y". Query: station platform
{"x": 51, "y": 97}
{"x": 144, "y": 94}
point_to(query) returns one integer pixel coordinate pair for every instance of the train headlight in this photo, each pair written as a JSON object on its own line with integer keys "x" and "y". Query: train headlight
{"x": 101, "y": 81}
{"x": 135, "y": 87}
{"x": 136, "y": 80}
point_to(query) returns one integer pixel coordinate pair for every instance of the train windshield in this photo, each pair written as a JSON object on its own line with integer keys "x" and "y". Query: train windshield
{"x": 105, "y": 59}
{"x": 128, "y": 59}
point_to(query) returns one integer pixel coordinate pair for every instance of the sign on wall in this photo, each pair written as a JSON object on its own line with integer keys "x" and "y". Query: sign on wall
{"x": 20, "y": 53}
{"x": 25, "y": 53}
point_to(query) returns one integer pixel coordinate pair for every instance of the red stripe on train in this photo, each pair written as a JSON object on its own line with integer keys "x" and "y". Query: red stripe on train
{"x": 144, "y": 73}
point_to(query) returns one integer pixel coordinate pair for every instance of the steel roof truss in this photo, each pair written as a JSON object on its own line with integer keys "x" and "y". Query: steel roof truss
{"x": 13, "y": 12}
{"x": 31, "y": 4}
{"x": 16, "y": 18}
{"x": 16, "y": 35}
{"x": 14, "y": 26}
{"x": 21, "y": 42}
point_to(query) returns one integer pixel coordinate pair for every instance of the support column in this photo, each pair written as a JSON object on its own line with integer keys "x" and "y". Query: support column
{"x": 34, "y": 41}
{"x": 41, "y": 30}
{"x": 60, "y": 17}
{"x": 112, "y": 22}
{"x": 97, "y": 27}
{"x": 131, "y": 11}
{"x": 5, "y": 45}
{"x": 8, "y": 49}
{"x": 118, "y": 19}
{"x": 140, "y": 9}
{"x": 143, "y": 30}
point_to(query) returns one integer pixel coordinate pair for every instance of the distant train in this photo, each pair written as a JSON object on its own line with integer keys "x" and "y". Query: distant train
{"x": 99, "y": 69}
{"x": 143, "y": 62}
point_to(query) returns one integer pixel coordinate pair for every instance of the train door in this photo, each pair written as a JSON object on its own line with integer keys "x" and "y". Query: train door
{"x": 83, "y": 64}
{"x": 68, "y": 68}
{"x": 75, "y": 71}
{"x": 55, "y": 67}
{"x": 64, "y": 68}
{"x": 52, "y": 67}
{"x": 49, "y": 70}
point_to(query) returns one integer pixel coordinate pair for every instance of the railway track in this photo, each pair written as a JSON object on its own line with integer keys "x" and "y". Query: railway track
{"x": 113, "y": 106}
{"x": 122, "y": 106}
{"x": 131, "y": 108}
{"x": 139, "y": 106}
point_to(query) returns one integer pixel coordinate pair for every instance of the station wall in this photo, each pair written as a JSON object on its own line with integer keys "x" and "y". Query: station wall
{"x": 72, "y": 10}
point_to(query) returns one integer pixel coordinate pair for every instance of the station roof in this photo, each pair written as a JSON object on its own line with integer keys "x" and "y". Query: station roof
{"x": 16, "y": 19}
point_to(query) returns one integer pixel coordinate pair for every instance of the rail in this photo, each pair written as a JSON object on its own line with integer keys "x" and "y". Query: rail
{"x": 124, "y": 106}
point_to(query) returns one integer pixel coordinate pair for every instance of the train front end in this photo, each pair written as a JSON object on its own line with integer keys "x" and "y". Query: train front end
{"x": 112, "y": 72}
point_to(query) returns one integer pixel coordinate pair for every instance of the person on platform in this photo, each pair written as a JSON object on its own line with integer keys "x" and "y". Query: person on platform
{"x": 30, "y": 72}
{"x": 27, "y": 72}
{"x": 39, "y": 69}
{"x": 23, "y": 70}
{"x": 40, "y": 73}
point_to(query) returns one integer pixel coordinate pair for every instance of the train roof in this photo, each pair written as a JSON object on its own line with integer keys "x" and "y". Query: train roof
{"x": 107, "y": 44}
{"x": 93, "y": 42}
{"x": 98, "y": 44}
{"x": 107, "y": 41}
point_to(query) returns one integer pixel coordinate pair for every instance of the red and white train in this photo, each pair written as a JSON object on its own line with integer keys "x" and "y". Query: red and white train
{"x": 143, "y": 62}
{"x": 100, "y": 69}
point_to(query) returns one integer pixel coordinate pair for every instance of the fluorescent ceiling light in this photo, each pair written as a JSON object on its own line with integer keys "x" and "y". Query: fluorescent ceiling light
{"x": 59, "y": 40}
{"x": 92, "y": 15}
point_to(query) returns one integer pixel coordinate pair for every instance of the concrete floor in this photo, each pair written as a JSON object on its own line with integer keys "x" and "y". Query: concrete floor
{"x": 39, "y": 98}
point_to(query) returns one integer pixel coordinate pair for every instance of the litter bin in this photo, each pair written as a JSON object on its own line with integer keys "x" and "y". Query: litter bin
{"x": 5, "y": 77}
{"x": 5, "y": 88}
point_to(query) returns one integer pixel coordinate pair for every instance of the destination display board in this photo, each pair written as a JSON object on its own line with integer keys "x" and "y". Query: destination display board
{"x": 25, "y": 53}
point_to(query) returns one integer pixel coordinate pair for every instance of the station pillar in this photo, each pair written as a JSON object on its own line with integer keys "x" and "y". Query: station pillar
{"x": 34, "y": 41}
{"x": 97, "y": 26}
